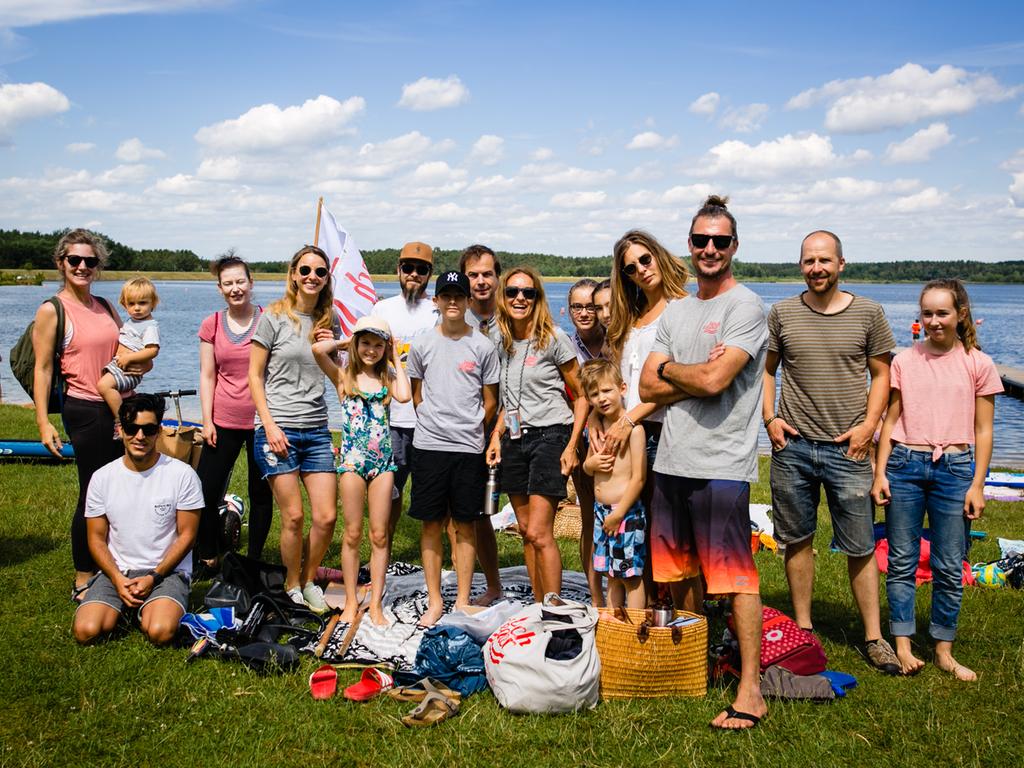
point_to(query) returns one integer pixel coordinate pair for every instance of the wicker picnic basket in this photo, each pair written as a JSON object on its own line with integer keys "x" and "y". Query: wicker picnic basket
{"x": 639, "y": 661}
{"x": 568, "y": 523}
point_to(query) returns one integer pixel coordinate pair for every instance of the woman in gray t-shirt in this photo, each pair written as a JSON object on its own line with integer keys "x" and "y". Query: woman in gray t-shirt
{"x": 292, "y": 441}
{"x": 538, "y": 431}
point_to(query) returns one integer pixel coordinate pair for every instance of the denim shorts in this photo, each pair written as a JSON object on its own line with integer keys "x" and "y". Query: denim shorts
{"x": 799, "y": 471}
{"x": 310, "y": 450}
{"x": 531, "y": 465}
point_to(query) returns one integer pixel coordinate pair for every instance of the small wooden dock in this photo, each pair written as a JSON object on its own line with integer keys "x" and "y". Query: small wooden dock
{"x": 1013, "y": 380}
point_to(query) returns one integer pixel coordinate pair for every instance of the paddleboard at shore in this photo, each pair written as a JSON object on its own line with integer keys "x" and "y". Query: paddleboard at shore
{"x": 1005, "y": 479}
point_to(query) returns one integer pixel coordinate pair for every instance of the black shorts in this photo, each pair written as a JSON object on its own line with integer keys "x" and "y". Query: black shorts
{"x": 444, "y": 482}
{"x": 531, "y": 465}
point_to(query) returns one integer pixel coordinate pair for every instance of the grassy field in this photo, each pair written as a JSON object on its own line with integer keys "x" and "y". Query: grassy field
{"x": 124, "y": 703}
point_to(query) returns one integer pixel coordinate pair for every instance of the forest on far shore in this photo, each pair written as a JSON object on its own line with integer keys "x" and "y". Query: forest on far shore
{"x": 34, "y": 250}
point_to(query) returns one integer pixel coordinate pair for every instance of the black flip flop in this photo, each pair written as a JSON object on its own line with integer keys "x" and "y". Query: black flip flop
{"x": 733, "y": 714}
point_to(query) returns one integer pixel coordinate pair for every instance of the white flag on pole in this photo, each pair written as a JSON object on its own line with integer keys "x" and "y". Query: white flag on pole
{"x": 354, "y": 295}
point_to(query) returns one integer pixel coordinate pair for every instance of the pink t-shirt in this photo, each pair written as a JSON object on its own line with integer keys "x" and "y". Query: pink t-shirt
{"x": 232, "y": 403}
{"x": 90, "y": 342}
{"x": 938, "y": 393}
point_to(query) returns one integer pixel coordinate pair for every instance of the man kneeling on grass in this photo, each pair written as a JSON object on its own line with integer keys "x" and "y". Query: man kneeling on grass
{"x": 454, "y": 372}
{"x": 142, "y": 515}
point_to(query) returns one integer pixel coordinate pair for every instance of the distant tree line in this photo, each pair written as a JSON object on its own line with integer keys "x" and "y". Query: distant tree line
{"x": 34, "y": 250}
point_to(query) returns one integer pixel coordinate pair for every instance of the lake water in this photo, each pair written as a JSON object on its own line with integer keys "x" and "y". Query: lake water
{"x": 183, "y": 305}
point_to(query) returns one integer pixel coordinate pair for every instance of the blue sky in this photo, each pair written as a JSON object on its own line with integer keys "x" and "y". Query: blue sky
{"x": 552, "y": 127}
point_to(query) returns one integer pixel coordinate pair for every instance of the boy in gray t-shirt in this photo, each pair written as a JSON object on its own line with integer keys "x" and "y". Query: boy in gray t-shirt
{"x": 454, "y": 371}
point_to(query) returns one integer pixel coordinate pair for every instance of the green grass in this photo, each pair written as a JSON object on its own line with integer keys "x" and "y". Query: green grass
{"x": 126, "y": 703}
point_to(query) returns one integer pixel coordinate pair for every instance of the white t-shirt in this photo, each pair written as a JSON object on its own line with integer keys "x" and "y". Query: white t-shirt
{"x": 634, "y": 354}
{"x": 139, "y": 334}
{"x": 142, "y": 510}
{"x": 406, "y": 324}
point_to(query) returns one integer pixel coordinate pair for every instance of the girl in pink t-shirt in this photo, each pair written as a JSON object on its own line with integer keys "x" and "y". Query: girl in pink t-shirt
{"x": 933, "y": 455}
{"x": 228, "y": 411}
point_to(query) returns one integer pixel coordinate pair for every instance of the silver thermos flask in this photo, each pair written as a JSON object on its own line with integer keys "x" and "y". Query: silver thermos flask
{"x": 492, "y": 492}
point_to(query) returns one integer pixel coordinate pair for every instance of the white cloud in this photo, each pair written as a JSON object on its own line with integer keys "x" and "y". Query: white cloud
{"x": 578, "y": 199}
{"x": 691, "y": 195}
{"x": 269, "y": 127}
{"x": 559, "y": 175}
{"x": 220, "y": 169}
{"x": 488, "y": 149}
{"x": 28, "y": 101}
{"x": 24, "y": 13}
{"x": 541, "y": 154}
{"x": 131, "y": 173}
{"x": 384, "y": 159}
{"x": 744, "y": 119}
{"x": 1017, "y": 190}
{"x": 433, "y": 179}
{"x": 925, "y": 200}
{"x": 492, "y": 185}
{"x": 770, "y": 158}
{"x": 705, "y": 105}
{"x": 904, "y": 96}
{"x": 443, "y": 212}
{"x": 133, "y": 150}
{"x": 651, "y": 140}
{"x": 79, "y": 147}
{"x": 94, "y": 200}
{"x": 179, "y": 184}
{"x": 428, "y": 94}
{"x": 919, "y": 147}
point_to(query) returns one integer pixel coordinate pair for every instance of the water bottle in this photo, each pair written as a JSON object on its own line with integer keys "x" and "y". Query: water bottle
{"x": 492, "y": 492}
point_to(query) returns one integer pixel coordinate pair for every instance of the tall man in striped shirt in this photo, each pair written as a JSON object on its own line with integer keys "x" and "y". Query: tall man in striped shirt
{"x": 827, "y": 340}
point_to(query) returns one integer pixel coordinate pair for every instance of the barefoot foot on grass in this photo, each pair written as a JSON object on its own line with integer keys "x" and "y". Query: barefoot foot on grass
{"x": 955, "y": 668}
{"x": 909, "y": 663}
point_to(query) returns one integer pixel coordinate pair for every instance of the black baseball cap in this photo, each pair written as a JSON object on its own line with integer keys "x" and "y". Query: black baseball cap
{"x": 452, "y": 281}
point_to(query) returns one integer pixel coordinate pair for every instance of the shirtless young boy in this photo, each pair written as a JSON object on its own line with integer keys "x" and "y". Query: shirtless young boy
{"x": 620, "y": 520}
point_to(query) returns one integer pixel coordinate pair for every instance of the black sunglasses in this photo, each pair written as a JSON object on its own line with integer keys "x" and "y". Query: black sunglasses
{"x": 90, "y": 261}
{"x": 305, "y": 269}
{"x": 528, "y": 293}
{"x": 130, "y": 429}
{"x": 721, "y": 241}
{"x": 419, "y": 267}
{"x": 630, "y": 269}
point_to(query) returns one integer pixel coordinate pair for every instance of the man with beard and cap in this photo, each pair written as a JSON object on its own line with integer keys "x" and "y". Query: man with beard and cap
{"x": 408, "y": 314}
{"x": 827, "y": 340}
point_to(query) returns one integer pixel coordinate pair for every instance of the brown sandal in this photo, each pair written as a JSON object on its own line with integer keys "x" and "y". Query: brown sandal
{"x": 432, "y": 710}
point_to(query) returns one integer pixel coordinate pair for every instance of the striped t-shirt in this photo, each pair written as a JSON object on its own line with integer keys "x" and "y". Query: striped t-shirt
{"x": 824, "y": 362}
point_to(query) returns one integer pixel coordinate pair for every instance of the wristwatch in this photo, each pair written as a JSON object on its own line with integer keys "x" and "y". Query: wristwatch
{"x": 157, "y": 578}
{"x": 661, "y": 370}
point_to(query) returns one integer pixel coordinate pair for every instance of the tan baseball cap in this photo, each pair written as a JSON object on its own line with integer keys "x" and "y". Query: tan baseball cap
{"x": 416, "y": 250}
{"x": 375, "y": 325}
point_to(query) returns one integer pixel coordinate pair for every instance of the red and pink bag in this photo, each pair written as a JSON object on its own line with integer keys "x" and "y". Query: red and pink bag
{"x": 785, "y": 644}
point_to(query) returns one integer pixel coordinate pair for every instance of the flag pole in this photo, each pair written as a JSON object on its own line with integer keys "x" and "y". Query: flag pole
{"x": 316, "y": 232}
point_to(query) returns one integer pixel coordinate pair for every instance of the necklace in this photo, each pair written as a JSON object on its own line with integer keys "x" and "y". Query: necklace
{"x": 522, "y": 370}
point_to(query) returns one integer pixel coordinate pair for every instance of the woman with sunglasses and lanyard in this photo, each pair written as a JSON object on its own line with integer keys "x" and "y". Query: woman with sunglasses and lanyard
{"x": 225, "y": 339}
{"x": 292, "y": 442}
{"x": 91, "y": 327}
{"x": 537, "y": 432}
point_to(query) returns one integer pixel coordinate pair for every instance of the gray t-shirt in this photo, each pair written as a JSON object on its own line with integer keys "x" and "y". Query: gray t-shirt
{"x": 139, "y": 334}
{"x": 453, "y": 372}
{"x": 293, "y": 381}
{"x": 532, "y": 382}
{"x": 714, "y": 438}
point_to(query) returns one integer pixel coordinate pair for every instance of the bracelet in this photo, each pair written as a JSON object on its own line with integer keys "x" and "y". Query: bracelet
{"x": 157, "y": 578}
{"x": 769, "y": 421}
{"x": 628, "y": 420}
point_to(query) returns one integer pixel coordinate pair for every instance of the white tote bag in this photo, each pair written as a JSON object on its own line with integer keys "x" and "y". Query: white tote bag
{"x": 522, "y": 676}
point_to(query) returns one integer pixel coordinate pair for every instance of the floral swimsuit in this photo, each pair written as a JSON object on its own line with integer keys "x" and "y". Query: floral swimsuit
{"x": 365, "y": 436}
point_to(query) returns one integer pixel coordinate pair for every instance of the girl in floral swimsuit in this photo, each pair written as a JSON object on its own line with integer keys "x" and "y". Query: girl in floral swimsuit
{"x": 365, "y": 383}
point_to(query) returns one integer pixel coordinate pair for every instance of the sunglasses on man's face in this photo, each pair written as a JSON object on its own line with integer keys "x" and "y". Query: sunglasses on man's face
{"x": 528, "y": 293}
{"x": 644, "y": 261}
{"x": 90, "y": 261}
{"x": 721, "y": 241}
{"x": 305, "y": 269}
{"x": 408, "y": 267}
{"x": 131, "y": 429}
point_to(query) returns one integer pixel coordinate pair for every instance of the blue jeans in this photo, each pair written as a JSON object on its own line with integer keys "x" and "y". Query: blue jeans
{"x": 800, "y": 469}
{"x": 918, "y": 485}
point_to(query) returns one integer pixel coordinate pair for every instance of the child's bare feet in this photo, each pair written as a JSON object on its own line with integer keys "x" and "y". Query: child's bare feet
{"x": 377, "y": 616}
{"x": 909, "y": 663}
{"x": 468, "y": 608}
{"x": 947, "y": 663}
{"x": 431, "y": 615}
{"x": 487, "y": 598}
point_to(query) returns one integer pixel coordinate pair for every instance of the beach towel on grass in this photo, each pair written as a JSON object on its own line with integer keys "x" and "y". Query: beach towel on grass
{"x": 405, "y": 601}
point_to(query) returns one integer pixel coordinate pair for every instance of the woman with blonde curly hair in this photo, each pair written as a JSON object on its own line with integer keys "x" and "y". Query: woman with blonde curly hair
{"x": 292, "y": 442}
{"x": 538, "y": 430}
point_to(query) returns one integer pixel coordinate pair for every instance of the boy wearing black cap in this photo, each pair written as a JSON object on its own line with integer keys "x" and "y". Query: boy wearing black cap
{"x": 454, "y": 371}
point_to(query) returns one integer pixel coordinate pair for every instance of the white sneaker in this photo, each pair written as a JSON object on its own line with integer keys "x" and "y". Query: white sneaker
{"x": 295, "y": 595}
{"x": 314, "y": 597}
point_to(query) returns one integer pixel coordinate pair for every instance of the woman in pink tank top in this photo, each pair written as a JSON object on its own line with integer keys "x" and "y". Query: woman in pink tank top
{"x": 228, "y": 411}
{"x": 90, "y": 340}
{"x": 933, "y": 455}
